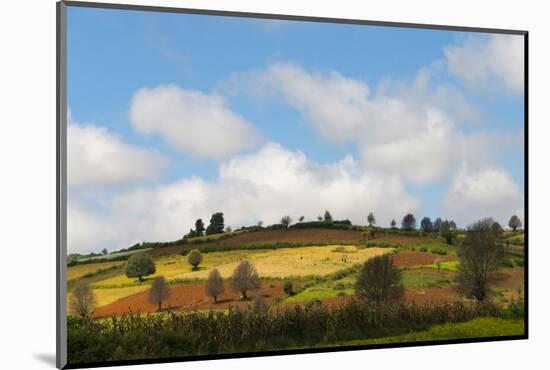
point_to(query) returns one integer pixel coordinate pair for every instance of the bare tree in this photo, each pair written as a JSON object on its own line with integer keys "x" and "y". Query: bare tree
{"x": 480, "y": 254}
{"x": 214, "y": 285}
{"x": 245, "y": 277}
{"x": 159, "y": 292}
{"x": 82, "y": 300}
{"x": 286, "y": 221}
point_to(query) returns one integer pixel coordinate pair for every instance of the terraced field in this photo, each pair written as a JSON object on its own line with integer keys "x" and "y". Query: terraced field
{"x": 278, "y": 263}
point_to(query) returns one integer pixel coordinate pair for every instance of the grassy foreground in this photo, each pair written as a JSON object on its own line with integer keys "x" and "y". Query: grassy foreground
{"x": 264, "y": 329}
{"x": 477, "y": 328}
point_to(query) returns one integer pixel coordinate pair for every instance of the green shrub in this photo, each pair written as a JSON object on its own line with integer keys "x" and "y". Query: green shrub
{"x": 423, "y": 249}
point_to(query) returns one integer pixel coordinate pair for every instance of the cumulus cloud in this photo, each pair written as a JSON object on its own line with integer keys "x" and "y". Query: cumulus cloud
{"x": 265, "y": 185}
{"x": 489, "y": 62}
{"x": 405, "y": 128}
{"x": 192, "y": 121}
{"x": 488, "y": 192}
{"x": 95, "y": 156}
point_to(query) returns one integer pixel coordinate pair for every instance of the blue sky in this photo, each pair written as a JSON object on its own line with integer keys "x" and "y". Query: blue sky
{"x": 474, "y": 88}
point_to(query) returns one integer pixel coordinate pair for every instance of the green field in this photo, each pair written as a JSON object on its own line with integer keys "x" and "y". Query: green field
{"x": 279, "y": 263}
{"x": 414, "y": 279}
{"x": 477, "y": 328}
{"x": 318, "y": 293}
{"x": 323, "y": 301}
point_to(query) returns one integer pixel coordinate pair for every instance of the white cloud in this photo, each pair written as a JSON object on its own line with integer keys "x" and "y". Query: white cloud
{"x": 192, "y": 121}
{"x": 88, "y": 231}
{"x": 403, "y": 128}
{"x": 265, "y": 185}
{"x": 489, "y": 192}
{"x": 95, "y": 156}
{"x": 336, "y": 105}
{"x": 489, "y": 62}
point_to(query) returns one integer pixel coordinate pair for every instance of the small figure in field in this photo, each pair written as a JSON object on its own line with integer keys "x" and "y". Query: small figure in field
{"x": 438, "y": 265}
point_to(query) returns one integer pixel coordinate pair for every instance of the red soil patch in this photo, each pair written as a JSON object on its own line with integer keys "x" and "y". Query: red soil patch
{"x": 508, "y": 278}
{"x": 270, "y": 237}
{"x": 188, "y": 297}
{"x": 447, "y": 293}
{"x": 405, "y": 259}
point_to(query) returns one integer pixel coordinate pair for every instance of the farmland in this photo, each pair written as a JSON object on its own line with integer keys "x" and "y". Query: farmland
{"x": 277, "y": 263}
{"x": 322, "y": 267}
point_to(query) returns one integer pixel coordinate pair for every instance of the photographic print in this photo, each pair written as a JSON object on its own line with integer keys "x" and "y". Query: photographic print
{"x": 241, "y": 185}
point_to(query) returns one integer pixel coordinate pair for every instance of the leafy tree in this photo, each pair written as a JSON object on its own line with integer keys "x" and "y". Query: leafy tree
{"x": 446, "y": 232}
{"x": 328, "y": 217}
{"x": 409, "y": 222}
{"x": 228, "y": 229}
{"x": 514, "y": 222}
{"x": 190, "y": 234}
{"x": 426, "y": 224}
{"x": 214, "y": 285}
{"x": 245, "y": 278}
{"x": 452, "y": 225}
{"x": 480, "y": 254}
{"x": 301, "y": 218}
{"x": 104, "y": 251}
{"x": 194, "y": 258}
{"x": 379, "y": 281}
{"x": 159, "y": 292}
{"x": 139, "y": 265}
{"x": 260, "y": 223}
{"x": 319, "y": 218}
{"x": 216, "y": 224}
{"x": 288, "y": 288}
{"x": 370, "y": 218}
{"x": 82, "y": 300}
{"x": 393, "y": 224}
{"x": 286, "y": 221}
{"x": 437, "y": 224}
{"x": 199, "y": 227}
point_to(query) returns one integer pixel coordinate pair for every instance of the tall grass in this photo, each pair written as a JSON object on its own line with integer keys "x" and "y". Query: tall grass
{"x": 257, "y": 329}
